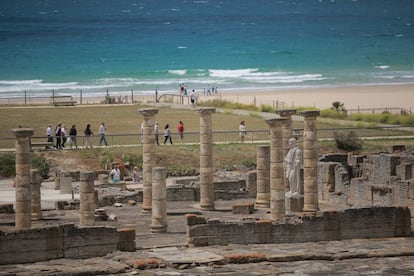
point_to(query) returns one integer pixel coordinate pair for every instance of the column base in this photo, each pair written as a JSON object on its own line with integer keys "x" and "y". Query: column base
{"x": 294, "y": 203}
{"x": 158, "y": 228}
{"x": 262, "y": 204}
{"x": 207, "y": 207}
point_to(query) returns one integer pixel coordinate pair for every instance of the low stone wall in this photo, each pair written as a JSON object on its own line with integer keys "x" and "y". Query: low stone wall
{"x": 63, "y": 241}
{"x": 375, "y": 222}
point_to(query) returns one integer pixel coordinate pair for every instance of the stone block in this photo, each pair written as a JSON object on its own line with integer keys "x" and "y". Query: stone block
{"x": 294, "y": 203}
{"x": 263, "y": 231}
{"x": 245, "y": 209}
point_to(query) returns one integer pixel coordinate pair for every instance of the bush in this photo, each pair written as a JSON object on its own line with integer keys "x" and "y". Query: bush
{"x": 7, "y": 165}
{"x": 348, "y": 142}
{"x": 40, "y": 163}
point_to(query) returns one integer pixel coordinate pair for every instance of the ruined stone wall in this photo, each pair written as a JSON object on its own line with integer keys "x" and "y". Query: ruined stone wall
{"x": 64, "y": 241}
{"x": 375, "y": 222}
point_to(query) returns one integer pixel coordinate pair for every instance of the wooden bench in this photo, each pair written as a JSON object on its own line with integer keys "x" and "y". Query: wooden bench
{"x": 62, "y": 100}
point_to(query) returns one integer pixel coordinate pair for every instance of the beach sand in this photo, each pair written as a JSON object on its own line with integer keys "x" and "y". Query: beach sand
{"x": 381, "y": 96}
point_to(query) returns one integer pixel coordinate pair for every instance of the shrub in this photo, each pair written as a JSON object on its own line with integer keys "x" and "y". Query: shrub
{"x": 7, "y": 165}
{"x": 348, "y": 142}
{"x": 40, "y": 163}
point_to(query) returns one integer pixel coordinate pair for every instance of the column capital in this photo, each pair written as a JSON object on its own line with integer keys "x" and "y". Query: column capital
{"x": 22, "y": 132}
{"x": 275, "y": 122}
{"x": 286, "y": 112}
{"x": 148, "y": 112}
{"x": 206, "y": 110}
{"x": 310, "y": 113}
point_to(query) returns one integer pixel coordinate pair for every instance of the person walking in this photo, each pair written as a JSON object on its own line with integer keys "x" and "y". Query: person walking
{"x": 167, "y": 134}
{"x": 101, "y": 132}
{"x": 180, "y": 128}
{"x": 88, "y": 132}
{"x": 156, "y": 133}
{"x": 193, "y": 98}
{"x": 242, "y": 131}
{"x": 63, "y": 135}
{"x": 49, "y": 133}
{"x": 58, "y": 133}
{"x": 72, "y": 135}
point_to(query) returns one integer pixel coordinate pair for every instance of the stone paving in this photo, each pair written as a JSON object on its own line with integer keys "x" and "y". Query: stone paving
{"x": 168, "y": 254}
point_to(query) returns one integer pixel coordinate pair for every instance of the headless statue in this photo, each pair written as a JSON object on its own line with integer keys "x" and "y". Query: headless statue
{"x": 293, "y": 162}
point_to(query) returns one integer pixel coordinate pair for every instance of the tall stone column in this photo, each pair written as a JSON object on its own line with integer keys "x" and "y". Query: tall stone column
{"x": 310, "y": 161}
{"x": 35, "y": 180}
{"x": 159, "y": 201}
{"x": 263, "y": 177}
{"x": 87, "y": 198}
{"x": 206, "y": 158}
{"x": 277, "y": 189}
{"x": 286, "y": 135}
{"x": 23, "y": 188}
{"x": 148, "y": 155}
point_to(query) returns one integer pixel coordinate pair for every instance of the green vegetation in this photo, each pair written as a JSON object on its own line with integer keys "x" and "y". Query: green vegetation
{"x": 348, "y": 141}
{"x": 8, "y": 165}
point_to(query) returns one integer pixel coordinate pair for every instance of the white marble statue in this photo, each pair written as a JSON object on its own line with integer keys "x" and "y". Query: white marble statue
{"x": 293, "y": 162}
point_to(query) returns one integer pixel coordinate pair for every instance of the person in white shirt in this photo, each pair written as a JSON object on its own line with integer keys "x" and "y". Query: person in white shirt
{"x": 101, "y": 132}
{"x": 116, "y": 174}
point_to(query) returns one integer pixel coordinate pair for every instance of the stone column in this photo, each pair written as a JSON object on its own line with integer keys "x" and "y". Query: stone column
{"x": 87, "y": 198}
{"x": 286, "y": 135}
{"x": 206, "y": 158}
{"x": 23, "y": 188}
{"x": 263, "y": 177}
{"x": 310, "y": 161}
{"x": 148, "y": 156}
{"x": 277, "y": 189}
{"x": 159, "y": 201}
{"x": 35, "y": 180}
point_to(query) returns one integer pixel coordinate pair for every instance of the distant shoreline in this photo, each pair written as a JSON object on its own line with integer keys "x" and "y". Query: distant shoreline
{"x": 372, "y": 96}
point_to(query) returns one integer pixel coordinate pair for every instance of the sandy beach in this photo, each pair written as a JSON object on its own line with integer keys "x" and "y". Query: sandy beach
{"x": 381, "y": 96}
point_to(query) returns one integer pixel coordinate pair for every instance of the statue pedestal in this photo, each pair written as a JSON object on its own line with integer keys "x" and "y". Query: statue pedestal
{"x": 294, "y": 202}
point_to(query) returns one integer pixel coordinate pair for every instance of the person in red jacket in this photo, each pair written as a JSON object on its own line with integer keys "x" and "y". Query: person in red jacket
{"x": 180, "y": 128}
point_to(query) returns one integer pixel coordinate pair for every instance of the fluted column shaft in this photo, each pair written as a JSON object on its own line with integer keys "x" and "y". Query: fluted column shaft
{"x": 206, "y": 159}
{"x": 23, "y": 187}
{"x": 148, "y": 155}
{"x": 35, "y": 180}
{"x": 277, "y": 189}
{"x": 310, "y": 161}
{"x": 159, "y": 200}
{"x": 263, "y": 177}
{"x": 87, "y": 198}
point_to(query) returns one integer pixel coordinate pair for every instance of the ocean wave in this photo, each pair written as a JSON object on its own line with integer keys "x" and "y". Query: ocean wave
{"x": 382, "y": 66}
{"x": 255, "y": 76}
{"x": 177, "y": 72}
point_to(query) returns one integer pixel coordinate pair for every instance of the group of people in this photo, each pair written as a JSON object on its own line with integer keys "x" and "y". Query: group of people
{"x": 64, "y": 137}
{"x": 167, "y": 132}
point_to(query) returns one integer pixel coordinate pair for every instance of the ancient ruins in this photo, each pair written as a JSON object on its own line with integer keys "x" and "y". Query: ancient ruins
{"x": 294, "y": 195}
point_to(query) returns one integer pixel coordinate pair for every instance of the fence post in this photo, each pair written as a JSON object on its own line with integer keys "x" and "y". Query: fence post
{"x": 25, "y": 97}
{"x": 132, "y": 95}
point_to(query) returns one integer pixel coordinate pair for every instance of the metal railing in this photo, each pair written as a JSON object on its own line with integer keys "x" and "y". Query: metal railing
{"x": 229, "y": 137}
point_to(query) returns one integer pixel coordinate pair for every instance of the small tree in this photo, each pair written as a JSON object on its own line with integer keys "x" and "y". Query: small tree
{"x": 338, "y": 106}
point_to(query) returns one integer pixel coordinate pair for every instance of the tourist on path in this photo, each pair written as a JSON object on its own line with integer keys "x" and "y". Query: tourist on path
{"x": 193, "y": 98}
{"x": 180, "y": 128}
{"x": 167, "y": 134}
{"x": 242, "y": 131}
{"x": 101, "y": 132}
{"x": 88, "y": 132}
{"x": 58, "y": 134}
{"x": 63, "y": 135}
{"x": 49, "y": 133}
{"x": 72, "y": 135}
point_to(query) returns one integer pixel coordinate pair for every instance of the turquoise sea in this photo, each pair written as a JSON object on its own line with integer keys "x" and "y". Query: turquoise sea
{"x": 143, "y": 45}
